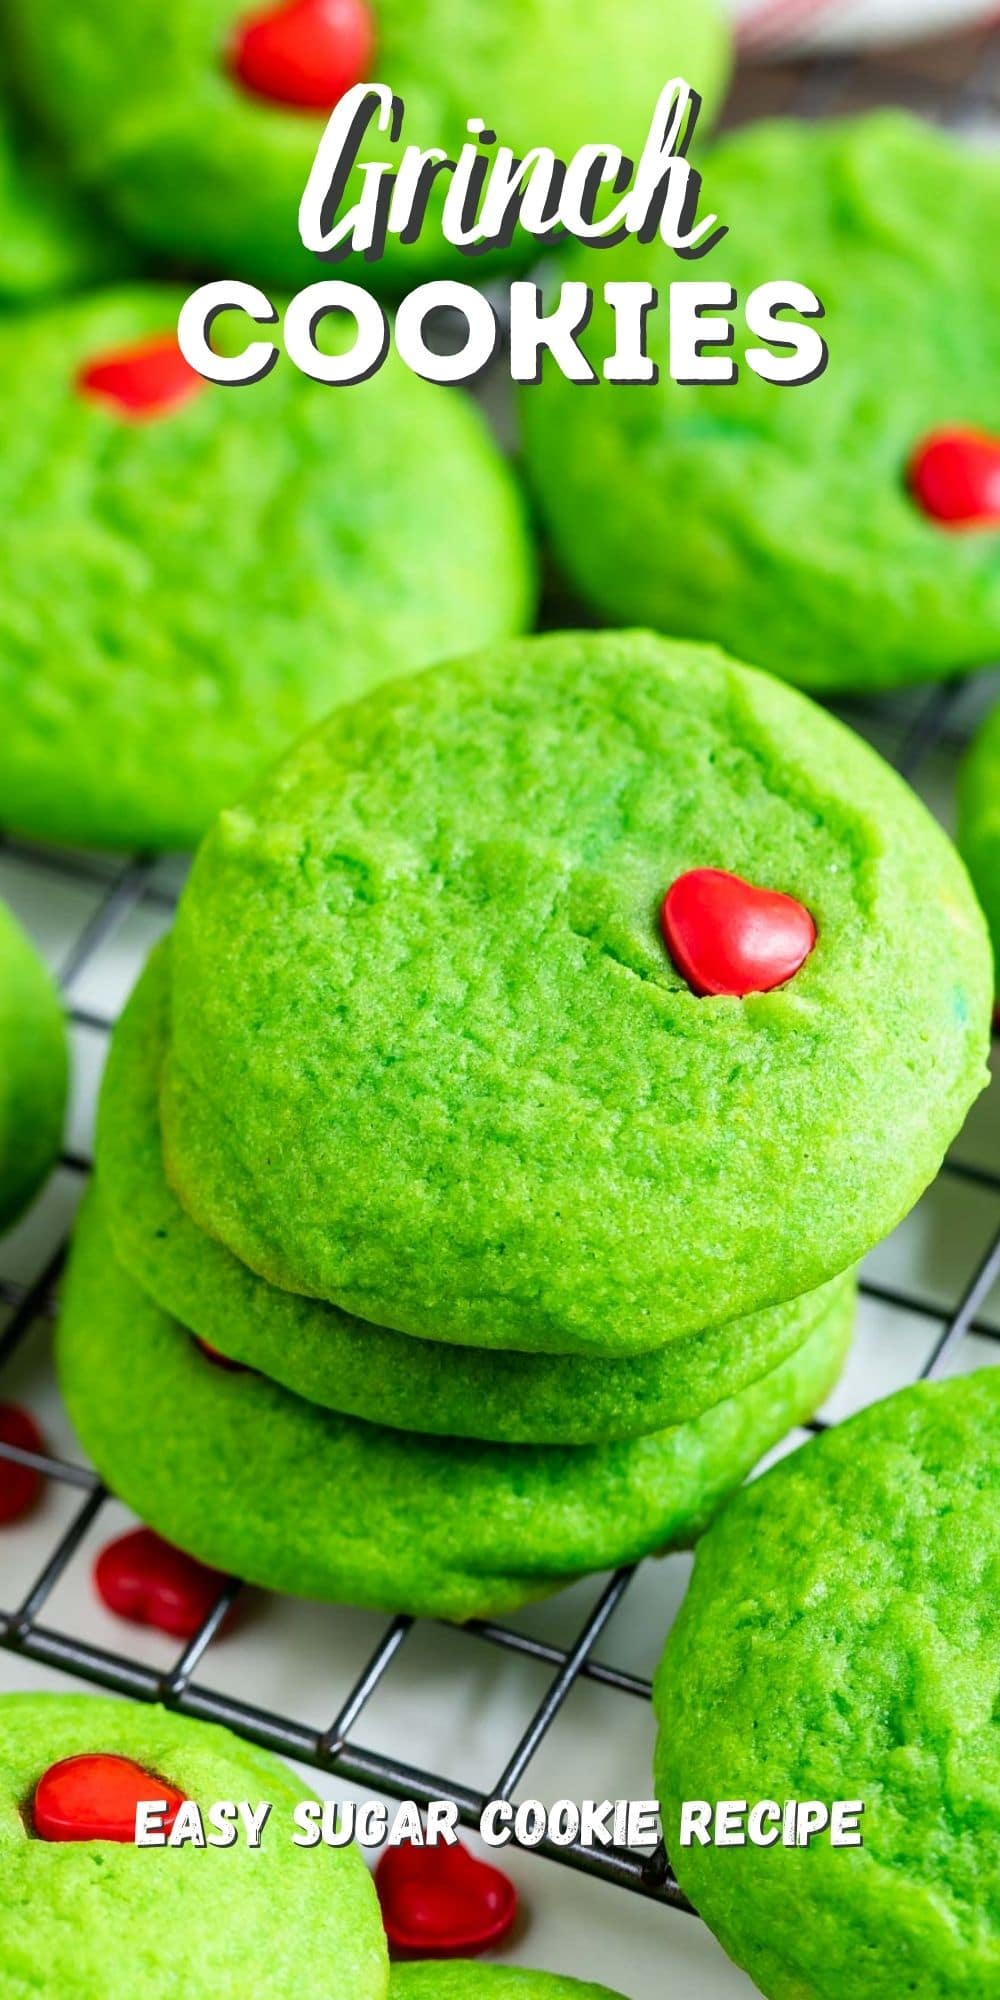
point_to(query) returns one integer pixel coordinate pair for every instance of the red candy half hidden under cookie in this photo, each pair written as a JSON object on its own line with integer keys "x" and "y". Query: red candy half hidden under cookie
{"x": 728, "y": 937}
{"x": 20, "y": 1485}
{"x": 147, "y": 379}
{"x": 955, "y": 476}
{"x": 304, "y": 53}
{"x": 94, "y": 1797}
{"x": 440, "y": 1902}
{"x": 146, "y": 1580}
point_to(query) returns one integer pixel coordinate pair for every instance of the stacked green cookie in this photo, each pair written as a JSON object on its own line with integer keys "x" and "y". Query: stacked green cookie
{"x": 979, "y": 823}
{"x": 448, "y": 1241}
{"x": 33, "y": 1070}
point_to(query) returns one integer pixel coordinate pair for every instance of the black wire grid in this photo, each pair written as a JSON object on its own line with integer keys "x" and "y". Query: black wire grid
{"x": 920, "y": 729}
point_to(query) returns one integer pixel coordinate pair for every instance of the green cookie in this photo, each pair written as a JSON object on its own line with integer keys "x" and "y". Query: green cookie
{"x": 368, "y": 1371}
{"x": 106, "y": 1920}
{"x": 979, "y": 823}
{"x": 146, "y": 101}
{"x": 779, "y": 521}
{"x": 487, "y": 1982}
{"x": 185, "y": 593}
{"x": 431, "y": 1059}
{"x": 255, "y": 1481}
{"x": 33, "y": 1070}
{"x": 841, "y": 1641}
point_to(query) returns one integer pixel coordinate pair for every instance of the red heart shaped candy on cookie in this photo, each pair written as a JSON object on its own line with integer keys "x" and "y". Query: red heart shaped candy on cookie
{"x": 728, "y": 937}
{"x": 148, "y": 379}
{"x": 955, "y": 476}
{"x": 305, "y": 53}
{"x": 149, "y": 1582}
{"x": 440, "y": 1902}
{"x": 94, "y": 1797}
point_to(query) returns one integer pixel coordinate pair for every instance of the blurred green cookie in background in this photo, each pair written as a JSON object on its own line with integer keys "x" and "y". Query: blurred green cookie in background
{"x": 85, "y": 1912}
{"x": 840, "y": 532}
{"x": 840, "y": 1641}
{"x": 465, "y": 1981}
{"x": 50, "y": 242}
{"x": 190, "y": 575}
{"x": 979, "y": 823}
{"x": 199, "y": 121}
{"x": 33, "y": 1070}
{"x": 258, "y": 1483}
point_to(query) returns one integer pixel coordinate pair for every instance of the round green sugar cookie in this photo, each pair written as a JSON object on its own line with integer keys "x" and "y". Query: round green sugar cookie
{"x": 368, "y": 1371}
{"x": 463, "y": 1980}
{"x": 188, "y": 587}
{"x": 840, "y": 1641}
{"x": 101, "y": 1919}
{"x": 732, "y": 512}
{"x": 154, "y": 109}
{"x": 256, "y": 1481}
{"x": 431, "y": 1059}
{"x": 979, "y": 823}
{"x": 33, "y": 1070}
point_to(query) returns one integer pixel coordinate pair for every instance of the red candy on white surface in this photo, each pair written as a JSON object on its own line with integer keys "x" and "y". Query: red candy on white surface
{"x": 304, "y": 53}
{"x": 955, "y": 477}
{"x": 440, "y": 1902}
{"x": 94, "y": 1797}
{"x": 728, "y": 937}
{"x": 146, "y": 1580}
{"x": 147, "y": 379}
{"x": 20, "y": 1485}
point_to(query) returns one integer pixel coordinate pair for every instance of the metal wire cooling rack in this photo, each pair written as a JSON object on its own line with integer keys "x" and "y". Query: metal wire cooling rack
{"x": 922, "y": 735}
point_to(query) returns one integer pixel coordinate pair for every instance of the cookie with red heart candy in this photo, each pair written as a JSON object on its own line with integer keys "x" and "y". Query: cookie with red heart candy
{"x": 82, "y": 1912}
{"x": 33, "y": 1070}
{"x": 198, "y": 123}
{"x": 843, "y": 532}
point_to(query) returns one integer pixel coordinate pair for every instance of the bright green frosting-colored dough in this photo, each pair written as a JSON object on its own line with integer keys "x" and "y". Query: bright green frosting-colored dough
{"x": 256, "y": 1481}
{"x": 466, "y": 1981}
{"x": 841, "y": 1640}
{"x": 979, "y": 823}
{"x": 196, "y": 166}
{"x": 49, "y": 241}
{"x": 182, "y": 595}
{"x": 430, "y": 1057}
{"x": 102, "y": 1920}
{"x": 778, "y": 521}
{"x": 368, "y": 1371}
{"x": 33, "y": 1070}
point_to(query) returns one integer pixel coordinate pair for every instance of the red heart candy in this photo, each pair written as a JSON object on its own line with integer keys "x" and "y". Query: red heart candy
{"x": 726, "y": 936}
{"x": 441, "y": 1902}
{"x": 955, "y": 475}
{"x": 20, "y": 1485}
{"x": 218, "y": 1360}
{"x": 305, "y": 52}
{"x": 149, "y": 1582}
{"x": 94, "y": 1797}
{"x": 146, "y": 379}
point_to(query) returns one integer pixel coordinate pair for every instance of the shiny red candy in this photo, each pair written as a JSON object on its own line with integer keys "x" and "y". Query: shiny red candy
{"x": 728, "y": 937}
{"x": 20, "y": 1485}
{"x": 305, "y": 53}
{"x": 149, "y": 1582}
{"x": 955, "y": 476}
{"x": 94, "y": 1797}
{"x": 218, "y": 1360}
{"x": 440, "y": 1902}
{"x": 148, "y": 379}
